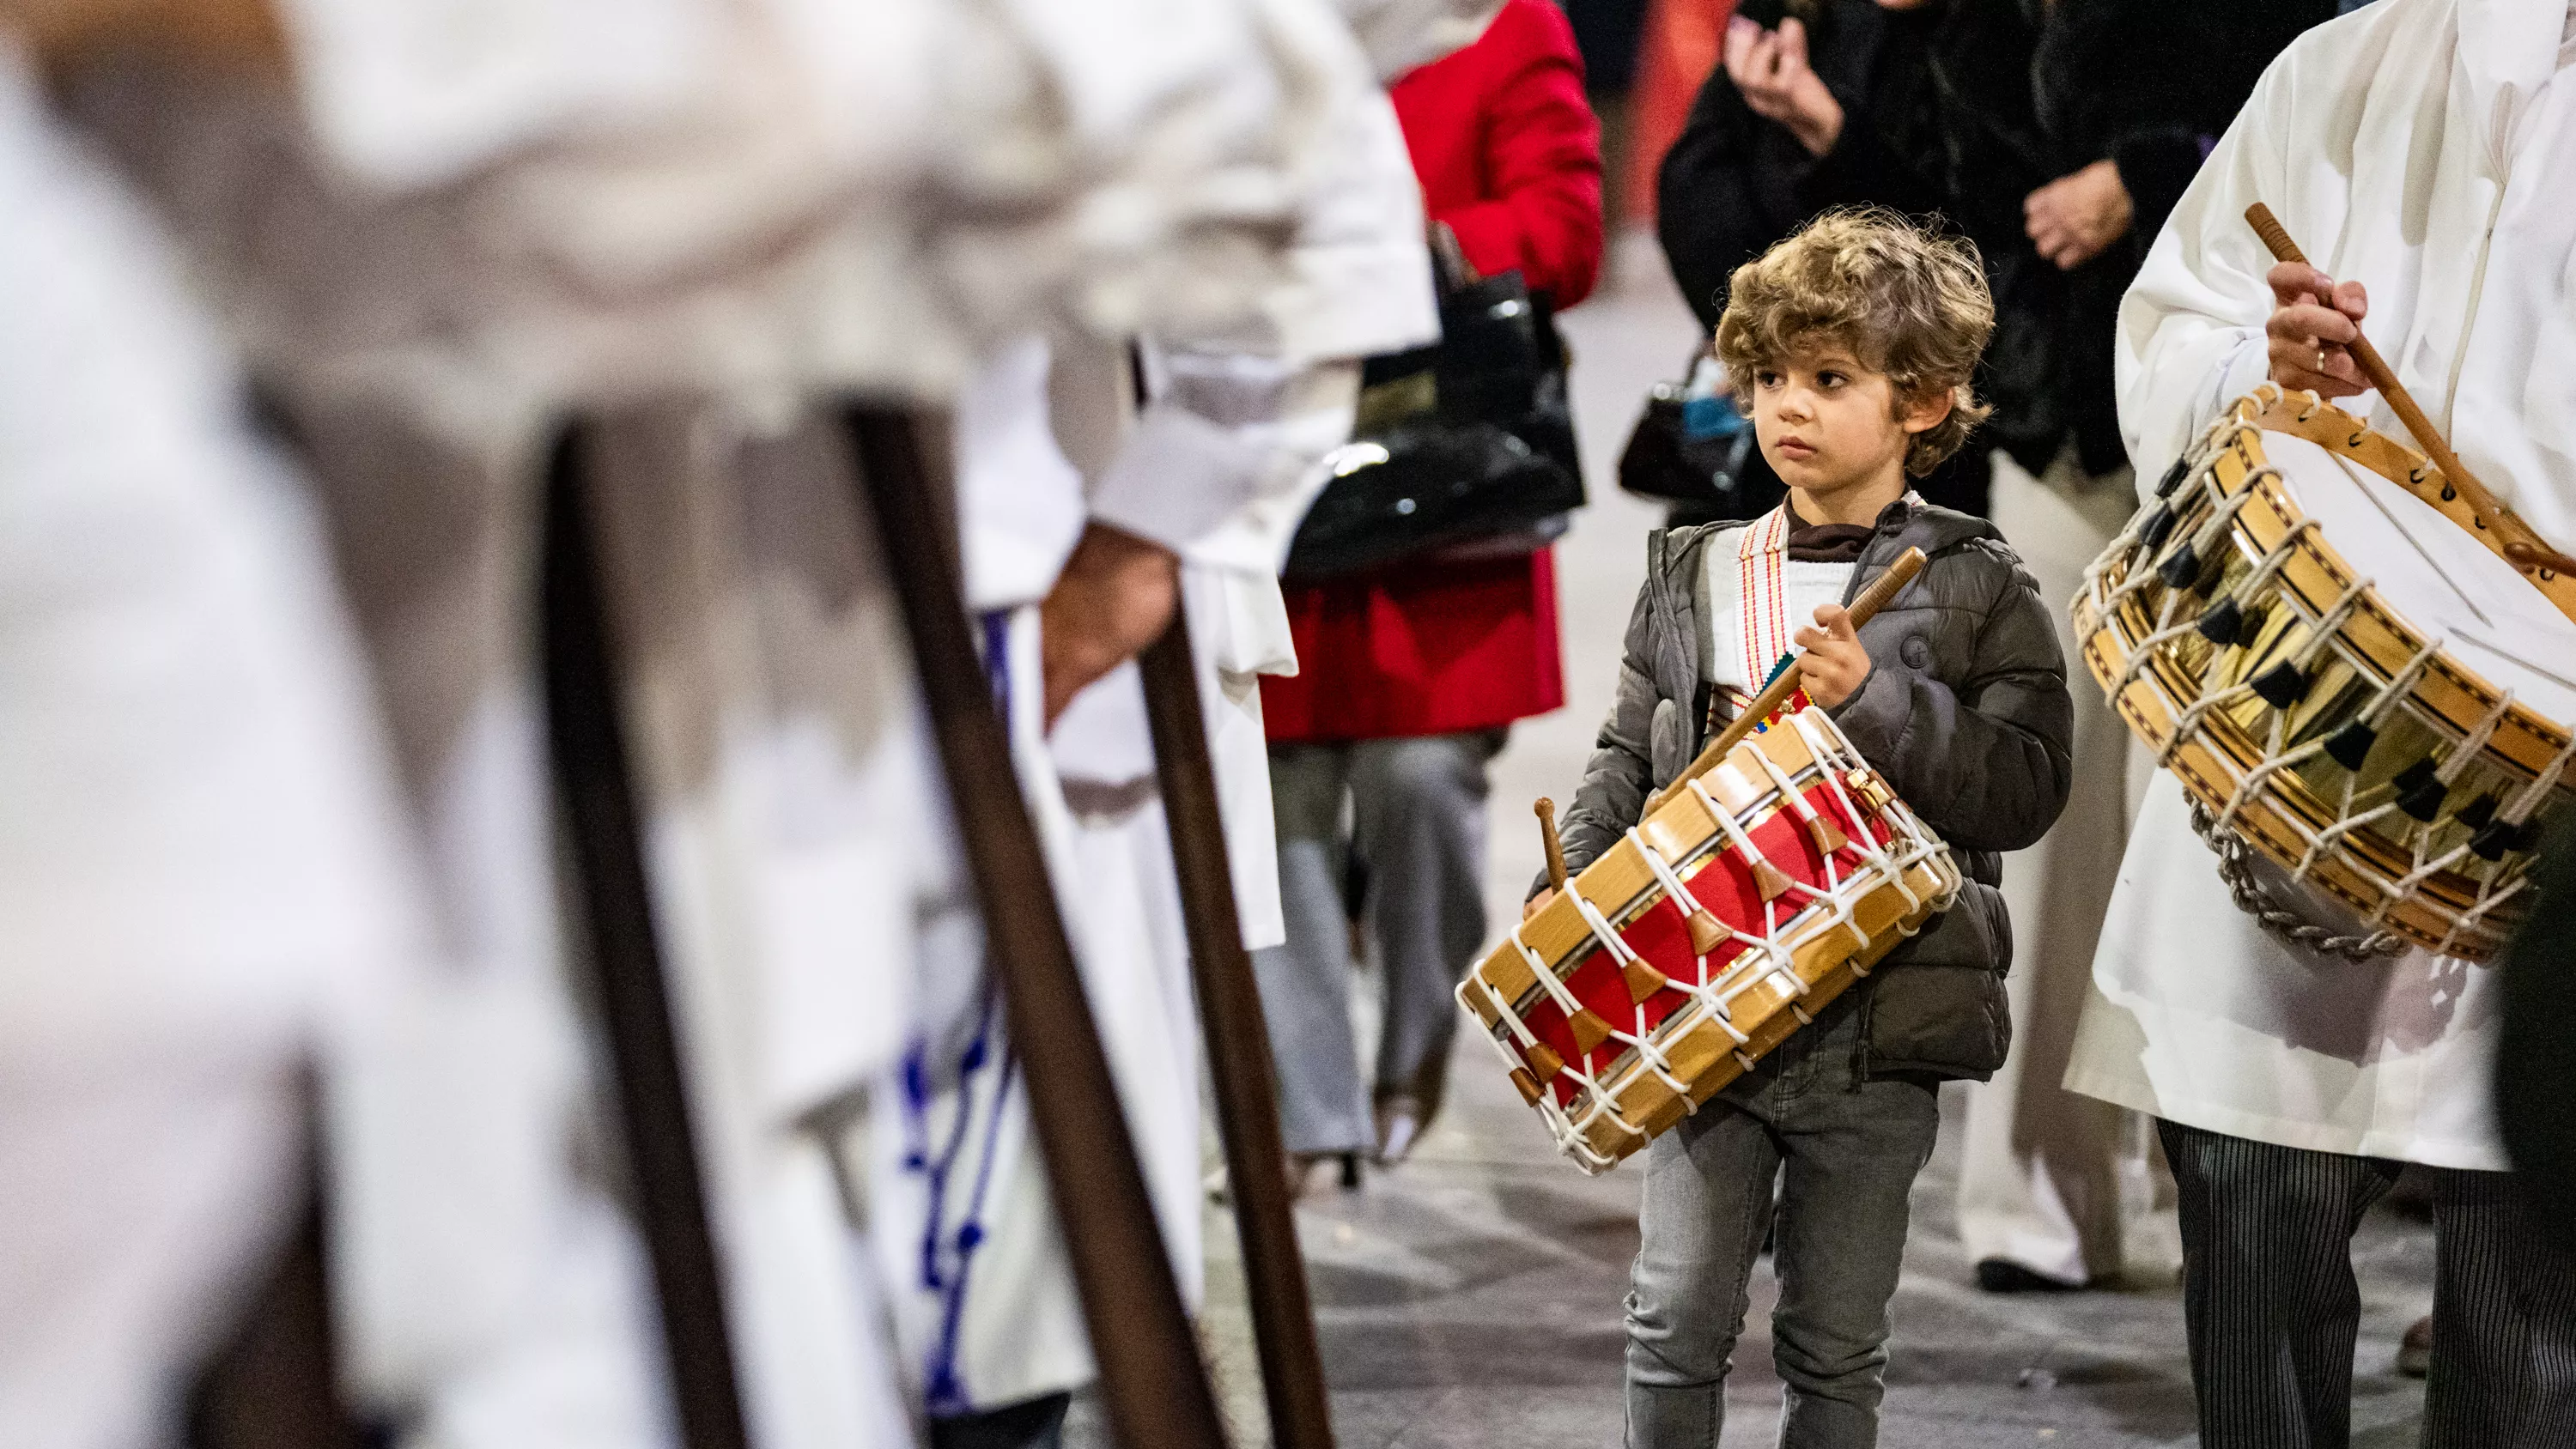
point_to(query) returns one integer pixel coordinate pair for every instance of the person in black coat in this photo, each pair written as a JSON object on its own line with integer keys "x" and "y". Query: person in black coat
{"x": 2055, "y": 134}
{"x": 1817, "y": 104}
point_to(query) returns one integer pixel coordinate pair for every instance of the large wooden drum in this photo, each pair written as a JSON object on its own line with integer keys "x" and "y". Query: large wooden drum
{"x": 2333, "y": 652}
{"x": 1720, "y": 924}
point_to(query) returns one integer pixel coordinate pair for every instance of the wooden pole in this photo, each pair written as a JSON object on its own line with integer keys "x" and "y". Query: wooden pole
{"x": 614, "y": 910}
{"x": 1785, "y": 683}
{"x": 275, "y": 1382}
{"x": 1151, "y": 1381}
{"x": 1238, "y": 1049}
{"x": 2528, "y": 550}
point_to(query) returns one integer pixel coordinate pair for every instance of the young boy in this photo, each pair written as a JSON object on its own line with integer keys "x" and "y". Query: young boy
{"x": 1853, "y": 341}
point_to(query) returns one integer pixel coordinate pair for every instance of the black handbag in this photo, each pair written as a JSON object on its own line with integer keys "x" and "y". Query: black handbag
{"x": 1465, "y": 444}
{"x": 1706, "y": 476}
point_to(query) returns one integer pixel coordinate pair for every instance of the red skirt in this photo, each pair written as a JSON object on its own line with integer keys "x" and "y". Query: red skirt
{"x": 1429, "y": 650}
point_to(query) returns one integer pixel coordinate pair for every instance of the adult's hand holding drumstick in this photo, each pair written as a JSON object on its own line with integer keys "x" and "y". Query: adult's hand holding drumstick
{"x": 2315, "y": 342}
{"x": 2309, "y": 336}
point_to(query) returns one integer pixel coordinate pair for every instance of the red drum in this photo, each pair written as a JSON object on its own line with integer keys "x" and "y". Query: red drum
{"x": 1720, "y": 924}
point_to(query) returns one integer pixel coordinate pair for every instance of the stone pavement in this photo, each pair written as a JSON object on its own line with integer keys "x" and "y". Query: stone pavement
{"x": 1471, "y": 1299}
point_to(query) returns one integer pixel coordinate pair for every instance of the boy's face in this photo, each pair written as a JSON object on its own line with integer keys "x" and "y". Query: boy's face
{"x": 1826, "y": 422}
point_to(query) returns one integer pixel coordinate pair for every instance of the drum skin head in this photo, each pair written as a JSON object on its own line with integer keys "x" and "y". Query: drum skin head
{"x": 2438, "y": 579}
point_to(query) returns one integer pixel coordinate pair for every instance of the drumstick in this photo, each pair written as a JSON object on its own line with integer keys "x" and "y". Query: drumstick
{"x": 1786, "y": 682}
{"x": 1546, "y": 809}
{"x": 1643, "y": 979}
{"x": 2530, "y": 552}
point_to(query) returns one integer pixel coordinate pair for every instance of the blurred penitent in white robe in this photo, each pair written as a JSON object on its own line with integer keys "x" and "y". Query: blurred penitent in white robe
{"x": 1218, "y": 464}
{"x": 699, "y": 224}
{"x": 205, "y": 877}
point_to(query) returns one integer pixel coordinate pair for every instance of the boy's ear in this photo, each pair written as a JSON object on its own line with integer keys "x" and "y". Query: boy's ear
{"x": 1921, "y": 412}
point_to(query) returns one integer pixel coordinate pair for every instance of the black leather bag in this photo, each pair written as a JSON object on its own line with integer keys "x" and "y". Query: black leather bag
{"x": 1468, "y": 443}
{"x": 1706, "y": 478}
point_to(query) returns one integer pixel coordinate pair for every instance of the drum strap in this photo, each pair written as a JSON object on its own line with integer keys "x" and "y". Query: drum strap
{"x": 1763, "y": 630}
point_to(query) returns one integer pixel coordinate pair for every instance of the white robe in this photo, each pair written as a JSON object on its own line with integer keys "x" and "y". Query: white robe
{"x": 1219, "y": 467}
{"x": 202, "y": 862}
{"x": 2427, "y": 149}
{"x": 692, "y": 217}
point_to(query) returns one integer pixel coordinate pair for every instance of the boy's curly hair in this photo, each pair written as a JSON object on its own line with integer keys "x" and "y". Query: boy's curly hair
{"x": 1907, "y": 301}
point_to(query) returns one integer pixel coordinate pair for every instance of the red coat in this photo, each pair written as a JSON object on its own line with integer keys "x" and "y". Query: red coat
{"x": 1508, "y": 154}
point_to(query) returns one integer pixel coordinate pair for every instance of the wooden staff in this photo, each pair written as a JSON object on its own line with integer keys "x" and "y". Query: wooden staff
{"x": 275, "y": 1381}
{"x": 614, "y": 911}
{"x": 1786, "y": 682}
{"x": 2526, "y": 549}
{"x": 1152, "y": 1383}
{"x": 1238, "y": 1048}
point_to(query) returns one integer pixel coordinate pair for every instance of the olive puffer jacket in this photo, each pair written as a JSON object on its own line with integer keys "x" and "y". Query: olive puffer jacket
{"x": 1965, "y": 712}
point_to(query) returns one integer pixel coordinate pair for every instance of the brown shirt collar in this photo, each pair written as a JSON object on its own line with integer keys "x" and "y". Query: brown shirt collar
{"x": 1825, "y": 542}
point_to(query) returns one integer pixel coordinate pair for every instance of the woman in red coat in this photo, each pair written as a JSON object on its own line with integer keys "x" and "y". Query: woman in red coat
{"x": 1408, "y": 678}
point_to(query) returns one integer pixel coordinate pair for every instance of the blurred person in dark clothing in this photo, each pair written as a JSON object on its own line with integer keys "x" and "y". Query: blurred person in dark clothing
{"x": 2055, "y": 136}
{"x": 1826, "y": 106}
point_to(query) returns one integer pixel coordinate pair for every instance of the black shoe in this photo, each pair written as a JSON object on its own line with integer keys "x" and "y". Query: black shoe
{"x": 2002, "y": 1275}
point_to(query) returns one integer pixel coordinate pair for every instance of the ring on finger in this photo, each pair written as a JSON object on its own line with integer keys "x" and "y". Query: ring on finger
{"x": 2321, "y": 359}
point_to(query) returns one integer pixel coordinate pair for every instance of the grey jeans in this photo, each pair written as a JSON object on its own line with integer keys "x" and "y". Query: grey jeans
{"x": 1418, "y": 820}
{"x": 1844, "y": 1153}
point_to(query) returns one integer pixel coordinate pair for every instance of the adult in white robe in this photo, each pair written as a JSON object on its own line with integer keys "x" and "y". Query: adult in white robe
{"x": 204, "y": 874}
{"x": 690, "y": 233}
{"x": 1215, "y": 470}
{"x": 2422, "y": 149}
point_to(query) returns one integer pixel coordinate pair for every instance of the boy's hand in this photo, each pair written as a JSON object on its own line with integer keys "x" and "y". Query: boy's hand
{"x": 1835, "y": 665}
{"x": 1537, "y": 903}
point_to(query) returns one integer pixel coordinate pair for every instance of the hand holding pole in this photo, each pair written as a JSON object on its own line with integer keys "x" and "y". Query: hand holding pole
{"x": 2527, "y": 551}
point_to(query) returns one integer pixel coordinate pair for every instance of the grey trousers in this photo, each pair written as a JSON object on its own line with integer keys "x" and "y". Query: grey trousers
{"x": 1418, "y": 820}
{"x": 1845, "y": 1152}
{"x": 2272, "y": 1309}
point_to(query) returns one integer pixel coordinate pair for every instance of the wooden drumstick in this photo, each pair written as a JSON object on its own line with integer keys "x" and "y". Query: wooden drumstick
{"x": 1786, "y": 682}
{"x": 1643, "y": 980}
{"x": 2527, "y": 551}
{"x": 1546, "y": 809}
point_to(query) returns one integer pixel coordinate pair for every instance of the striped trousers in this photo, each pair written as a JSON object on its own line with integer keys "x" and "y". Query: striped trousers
{"x": 2272, "y": 1308}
